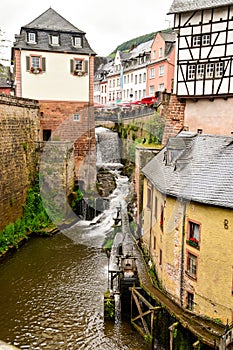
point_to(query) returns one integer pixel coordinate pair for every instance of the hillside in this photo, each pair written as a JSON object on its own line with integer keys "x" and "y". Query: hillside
{"x": 128, "y": 45}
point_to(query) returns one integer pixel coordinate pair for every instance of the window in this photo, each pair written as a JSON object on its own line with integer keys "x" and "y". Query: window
{"x": 151, "y": 90}
{"x": 191, "y": 71}
{"x": 54, "y": 40}
{"x": 197, "y": 40}
{"x": 47, "y": 134}
{"x": 190, "y": 301}
{"x": 160, "y": 52}
{"x": 136, "y": 79}
{"x": 206, "y": 39}
{"x": 77, "y": 41}
{"x": 154, "y": 55}
{"x": 76, "y": 117}
{"x": 219, "y": 69}
{"x": 193, "y": 234}
{"x": 162, "y": 218}
{"x": 144, "y": 77}
{"x": 79, "y": 66}
{"x": 35, "y": 61}
{"x": 160, "y": 257}
{"x": 161, "y": 87}
{"x": 200, "y": 71}
{"x": 140, "y": 78}
{"x": 192, "y": 265}
{"x": 152, "y": 73}
{"x": 35, "y": 64}
{"x": 148, "y": 197}
{"x": 154, "y": 243}
{"x": 156, "y": 207}
{"x": 161, "y": 70}
{"x": 209, "y": 70}
{"x": 32, "y": 38}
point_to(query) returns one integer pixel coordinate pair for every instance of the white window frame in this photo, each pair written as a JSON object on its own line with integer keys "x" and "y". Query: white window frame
{"x": 205, "y": 40}
{"x": 209, "y": 70}
{"x": 160, "y": 52}
{"x": 151, "y": 90}
{"x": 197, "y": 40}
{"x": 76, "y": 117}
{"x": 152, "y": 73}
{"x": 191, "y": 72}
{"x": 77, "y": 41}
{"x": 54, "y": 39}
{"x": 78, "y": 65}
{"x": 32, "y": 38}
{"x": 219, "y": 66}
{"x": 161, "y": 70}
{"x": 161, "y": 87}
{"x": 35, "y": 61}
{"x": 200, "y": 71}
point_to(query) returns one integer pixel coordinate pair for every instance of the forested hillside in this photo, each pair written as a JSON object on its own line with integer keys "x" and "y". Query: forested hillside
{"x": 130, "y": 44}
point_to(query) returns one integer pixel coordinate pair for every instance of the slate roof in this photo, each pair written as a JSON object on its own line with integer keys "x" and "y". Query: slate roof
{"x": 201, "y": 171}
{"x": 192, "y": 5}
{"x": 51, "y": 22}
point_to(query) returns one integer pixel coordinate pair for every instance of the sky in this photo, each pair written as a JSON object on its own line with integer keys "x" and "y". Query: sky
{"x": 106, "y": 23}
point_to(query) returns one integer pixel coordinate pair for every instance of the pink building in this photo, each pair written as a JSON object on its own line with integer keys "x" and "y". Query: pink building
{"x": 160, "y": 70}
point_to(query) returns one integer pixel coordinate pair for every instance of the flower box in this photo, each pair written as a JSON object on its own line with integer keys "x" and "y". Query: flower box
{"x": 35, "y": 70}
{"x": 193, "y": 242}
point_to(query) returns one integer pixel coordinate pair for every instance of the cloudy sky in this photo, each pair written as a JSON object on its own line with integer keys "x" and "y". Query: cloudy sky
{"x": 107, "y": 23}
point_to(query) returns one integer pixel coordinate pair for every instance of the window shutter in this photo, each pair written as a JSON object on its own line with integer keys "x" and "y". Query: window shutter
{"x": 72, "y": 66}
{"x": 27, "y": 63}
{"x": 43, "y": 64}
{"x": 86, "y": 66}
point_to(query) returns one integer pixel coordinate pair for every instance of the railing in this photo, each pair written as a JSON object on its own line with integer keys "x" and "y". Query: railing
{"x": 123, "y": 114}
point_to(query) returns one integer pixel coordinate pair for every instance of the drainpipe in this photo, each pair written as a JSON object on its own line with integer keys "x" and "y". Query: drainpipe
{"x": 151, "y": 216}
{"x": 89, "y": 123}
{"x": 182, "y": 254}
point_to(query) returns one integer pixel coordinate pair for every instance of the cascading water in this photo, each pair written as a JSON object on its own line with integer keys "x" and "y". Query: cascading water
{"x": 108, "y": 148}
{"x": 52, "y": 289}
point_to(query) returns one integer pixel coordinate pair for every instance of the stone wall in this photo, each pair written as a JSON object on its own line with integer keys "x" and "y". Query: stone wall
{"x": 58, "y": 116}
{"x": 19, "y": 126}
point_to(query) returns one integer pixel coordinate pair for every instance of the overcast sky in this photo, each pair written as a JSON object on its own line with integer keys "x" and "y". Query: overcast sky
{"x": 106, "y": 23}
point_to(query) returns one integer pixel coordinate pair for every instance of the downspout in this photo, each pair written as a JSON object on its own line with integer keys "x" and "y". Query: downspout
{"x": 182, "y": 254}
{"x": 89, "y": 124}
{"x": 151, "y": 216}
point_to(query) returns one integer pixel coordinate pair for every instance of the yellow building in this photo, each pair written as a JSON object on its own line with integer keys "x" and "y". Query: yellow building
{"x": 188, "y": 222}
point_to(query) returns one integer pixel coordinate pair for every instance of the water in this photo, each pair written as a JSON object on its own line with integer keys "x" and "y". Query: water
{"x": 52, "y": 296}
{"x": 52, "y": 289}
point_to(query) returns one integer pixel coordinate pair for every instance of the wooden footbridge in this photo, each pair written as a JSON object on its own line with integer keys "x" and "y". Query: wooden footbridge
{"x": 129, "y": 277}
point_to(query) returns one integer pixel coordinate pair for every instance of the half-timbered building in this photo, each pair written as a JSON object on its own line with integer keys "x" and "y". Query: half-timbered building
{"x": 204, "y": 68}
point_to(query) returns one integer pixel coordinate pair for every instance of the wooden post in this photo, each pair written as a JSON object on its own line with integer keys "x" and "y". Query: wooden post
{"x": 171, "y": 329}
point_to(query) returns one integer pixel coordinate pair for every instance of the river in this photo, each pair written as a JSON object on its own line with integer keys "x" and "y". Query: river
{"x": 52, "y": 296}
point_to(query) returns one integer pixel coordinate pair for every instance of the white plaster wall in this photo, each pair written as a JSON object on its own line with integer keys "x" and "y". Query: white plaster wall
{"x": 57, "y": 83}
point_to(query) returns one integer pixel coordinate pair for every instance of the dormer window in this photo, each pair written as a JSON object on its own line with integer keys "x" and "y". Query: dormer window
{"x": 54, "y": 40}
{"x": 31, "y": 38}
{"x": 77, "y": 41}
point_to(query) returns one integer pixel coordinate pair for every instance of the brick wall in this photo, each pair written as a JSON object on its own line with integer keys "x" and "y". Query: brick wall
{"x": 174, "y": 113}
{"x": 19, "y": 125}
{"x": 58, "y": 116}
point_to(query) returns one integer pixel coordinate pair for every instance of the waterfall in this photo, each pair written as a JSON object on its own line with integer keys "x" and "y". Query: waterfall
{"x": 107, "y": 148}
